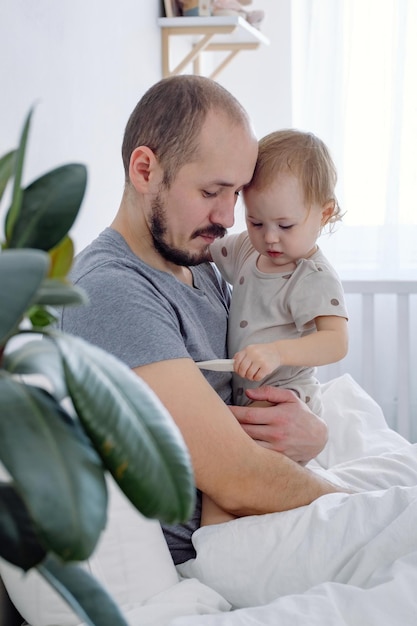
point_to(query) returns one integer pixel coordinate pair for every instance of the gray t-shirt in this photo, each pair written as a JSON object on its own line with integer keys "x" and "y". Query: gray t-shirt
{"x": 142, "y": 315}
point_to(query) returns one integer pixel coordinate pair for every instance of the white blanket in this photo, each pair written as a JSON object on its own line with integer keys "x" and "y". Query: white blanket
{"x": 344, "y": 559}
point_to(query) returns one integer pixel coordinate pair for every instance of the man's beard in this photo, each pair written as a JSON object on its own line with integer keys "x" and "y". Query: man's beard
{"x": 158, "y": 229}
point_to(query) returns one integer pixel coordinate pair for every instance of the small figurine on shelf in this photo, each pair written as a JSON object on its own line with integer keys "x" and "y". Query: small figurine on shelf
{"x": 236, "y": 7}
{"x": 199, "y": 8}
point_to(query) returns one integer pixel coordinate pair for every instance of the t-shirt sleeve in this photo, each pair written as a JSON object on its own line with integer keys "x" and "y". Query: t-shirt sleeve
{"x": 126, "y": 316}
{"x": 319, "y": 293}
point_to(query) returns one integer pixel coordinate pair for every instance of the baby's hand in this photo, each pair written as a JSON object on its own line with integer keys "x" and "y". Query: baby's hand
{"x": 256, "y": 361}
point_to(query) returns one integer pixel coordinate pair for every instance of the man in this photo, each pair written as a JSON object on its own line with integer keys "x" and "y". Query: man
{"x": 157, "y": 304}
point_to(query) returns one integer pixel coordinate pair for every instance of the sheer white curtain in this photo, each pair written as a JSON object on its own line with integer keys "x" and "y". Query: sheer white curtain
{"x": 355, "y": 85}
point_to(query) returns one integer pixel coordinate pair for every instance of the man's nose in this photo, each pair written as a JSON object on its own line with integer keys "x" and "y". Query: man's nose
{"x": 224, "y": 212}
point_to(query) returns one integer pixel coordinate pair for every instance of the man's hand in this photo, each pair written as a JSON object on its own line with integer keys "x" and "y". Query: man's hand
{"x": 287, "y": 426}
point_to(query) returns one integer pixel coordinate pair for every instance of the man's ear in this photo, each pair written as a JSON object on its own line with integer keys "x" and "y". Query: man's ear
{"x": 144, "y": 169}
{"x": 327, "y": 212}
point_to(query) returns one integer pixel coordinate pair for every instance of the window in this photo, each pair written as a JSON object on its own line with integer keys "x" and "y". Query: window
{"x": 354, "y": 85}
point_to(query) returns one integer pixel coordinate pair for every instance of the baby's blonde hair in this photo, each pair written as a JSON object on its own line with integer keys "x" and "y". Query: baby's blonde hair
{"x": 306, "y": 157}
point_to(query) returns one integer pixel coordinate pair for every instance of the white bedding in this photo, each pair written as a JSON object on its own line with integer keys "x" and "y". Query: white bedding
{"x": 343, "y": 560}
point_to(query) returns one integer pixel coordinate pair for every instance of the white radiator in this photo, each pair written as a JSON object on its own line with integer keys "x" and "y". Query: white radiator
{"x": 382, "y": 355}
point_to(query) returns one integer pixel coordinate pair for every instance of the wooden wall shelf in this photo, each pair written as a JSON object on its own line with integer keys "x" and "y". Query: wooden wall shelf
{"x": 229, "y": 34}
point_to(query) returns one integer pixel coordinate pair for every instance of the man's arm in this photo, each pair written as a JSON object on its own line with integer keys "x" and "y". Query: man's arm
{"x": 241, "y": 476}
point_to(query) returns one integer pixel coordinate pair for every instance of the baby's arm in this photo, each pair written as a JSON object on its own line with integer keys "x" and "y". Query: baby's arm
{"x": 328, "y": 345}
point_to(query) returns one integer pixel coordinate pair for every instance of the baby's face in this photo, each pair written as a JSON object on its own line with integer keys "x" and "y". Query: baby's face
{"x": 281, "y": 227}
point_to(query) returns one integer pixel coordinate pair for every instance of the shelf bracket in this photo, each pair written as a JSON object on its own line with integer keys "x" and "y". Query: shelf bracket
{"x": 229, "y": 35}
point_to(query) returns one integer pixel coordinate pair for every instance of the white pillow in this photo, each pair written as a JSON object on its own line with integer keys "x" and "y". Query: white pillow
{"x": 356, "y": 423}
{"x": 132, "y": 561}
{"x": 362, "y": 539}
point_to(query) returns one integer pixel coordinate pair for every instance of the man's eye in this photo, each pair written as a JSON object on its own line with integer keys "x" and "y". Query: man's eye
{"x": 237, "y": 193}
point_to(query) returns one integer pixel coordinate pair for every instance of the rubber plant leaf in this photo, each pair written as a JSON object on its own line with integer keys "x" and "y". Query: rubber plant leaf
{"x": 17, "y": 194}
{"x": 55, "y": 470}
{"x": 51, "y": 293}
{"x": 56, "y": 292}
{"x": 18, "y": 541}
{"x": 41, "y": 316}
{"x": 62, "y": 257}
{"x": 49, "y": 207}
{"x": 82, "y": 592}
{"x": 21, "y": 273}
{"x": 7, "y": 163}
{"x": 131, "y": 429}
{"x": 39, "y": 358}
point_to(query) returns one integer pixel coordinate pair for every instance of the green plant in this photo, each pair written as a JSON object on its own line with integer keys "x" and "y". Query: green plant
{"x": 53, "y": 506}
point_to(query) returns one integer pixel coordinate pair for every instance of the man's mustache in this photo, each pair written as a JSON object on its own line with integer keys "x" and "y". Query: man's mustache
{"x": 215, "y": 230}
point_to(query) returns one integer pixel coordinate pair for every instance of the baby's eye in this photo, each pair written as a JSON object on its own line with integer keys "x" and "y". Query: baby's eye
{"x": 208, "y": 194}
{"x": 284, "y": 227}
{"x": 256, "y": 224}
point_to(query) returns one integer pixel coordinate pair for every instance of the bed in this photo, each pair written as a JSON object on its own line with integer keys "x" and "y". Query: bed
{"x": 343, "y": 560}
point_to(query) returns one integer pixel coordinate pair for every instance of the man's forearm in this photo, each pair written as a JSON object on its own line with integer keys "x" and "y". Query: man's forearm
{"x": 287, "y": 485}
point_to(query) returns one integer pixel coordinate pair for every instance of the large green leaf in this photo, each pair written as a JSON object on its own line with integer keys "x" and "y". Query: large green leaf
{"x": 18, "y": 541}
{"x": 56, "y": 471}
{"x": 7, "y": 163}
{"x": 56, "y": 292}
{"x": 39, "y": 357}
{"x": 53, "y": 292}
{"x": 82, "y": 592}
{"x": 14, "y": 211}
{"x": 131, "y": 429}
{"x": 49, "y": 208}
{"x": 21, "y": 273}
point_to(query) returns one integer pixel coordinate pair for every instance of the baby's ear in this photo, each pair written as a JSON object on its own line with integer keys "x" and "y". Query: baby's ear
{"x": 327, "y": 212}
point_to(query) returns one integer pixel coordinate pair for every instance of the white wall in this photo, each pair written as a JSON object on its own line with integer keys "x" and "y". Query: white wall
{"x": 86, "y": 63}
